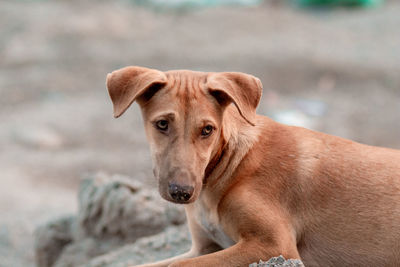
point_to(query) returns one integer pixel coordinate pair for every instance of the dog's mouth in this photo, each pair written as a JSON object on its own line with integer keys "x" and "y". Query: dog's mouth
{"x": 181, "y": 201}
{"x": 180, "y": 198}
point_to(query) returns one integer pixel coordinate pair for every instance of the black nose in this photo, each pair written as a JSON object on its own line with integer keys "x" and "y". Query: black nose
{"x": 180, "y": 193}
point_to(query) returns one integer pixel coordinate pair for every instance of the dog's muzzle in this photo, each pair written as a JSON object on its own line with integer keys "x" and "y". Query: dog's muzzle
{"x": 180, "y": 194}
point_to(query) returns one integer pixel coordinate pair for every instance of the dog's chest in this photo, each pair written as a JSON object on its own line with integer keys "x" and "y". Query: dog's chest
{"x": 209, "y": 222}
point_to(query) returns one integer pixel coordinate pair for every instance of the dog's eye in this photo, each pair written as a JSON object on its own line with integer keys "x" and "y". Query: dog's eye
{"x": 207, "y": 130}
{"x": 162, "y": 125}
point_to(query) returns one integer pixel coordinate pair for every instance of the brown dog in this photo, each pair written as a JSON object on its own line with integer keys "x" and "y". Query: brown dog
{"x": 254, "y": 188}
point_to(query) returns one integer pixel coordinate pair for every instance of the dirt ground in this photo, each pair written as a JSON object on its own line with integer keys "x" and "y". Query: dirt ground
{"x": 336, "y": 71}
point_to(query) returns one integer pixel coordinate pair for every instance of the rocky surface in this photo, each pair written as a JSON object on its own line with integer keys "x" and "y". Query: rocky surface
{"x": 113, "y": 211}
{"x": 173, "y": 241}
{"x": 51, "y": 238}
{"x": 278, "y": 262}
{"x": 120, "y": 207}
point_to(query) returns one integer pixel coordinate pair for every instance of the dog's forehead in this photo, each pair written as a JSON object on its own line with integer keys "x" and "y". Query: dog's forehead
{"x": 185, "y": 92}
{"x": 184, "y": 82}
{"x": 186, "y": 74}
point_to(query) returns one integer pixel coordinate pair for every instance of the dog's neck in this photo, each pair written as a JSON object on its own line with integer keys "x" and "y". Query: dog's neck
{"x": 237, "y": 138}
{"x": 216, "y": 159}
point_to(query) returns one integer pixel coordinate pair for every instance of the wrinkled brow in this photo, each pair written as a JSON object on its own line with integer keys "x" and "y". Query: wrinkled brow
{"x": 165, "y": 114}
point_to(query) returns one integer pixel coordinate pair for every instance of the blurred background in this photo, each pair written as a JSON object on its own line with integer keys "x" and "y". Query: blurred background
{"x": 331, "y": 68}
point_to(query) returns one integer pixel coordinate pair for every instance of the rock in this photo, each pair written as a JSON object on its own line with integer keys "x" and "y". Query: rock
{"x": 113, "y": 211}
{"x": 16, "y": 246}
{"x": 80, "y": 252}
{"x": 50, "y": 240}
{"x": 118, "y": 206}
{"x": 278, "y": 262}
{"x": 175, "y": 240}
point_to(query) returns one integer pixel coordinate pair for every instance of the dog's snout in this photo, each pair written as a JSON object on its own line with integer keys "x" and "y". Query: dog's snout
{"x": 180, "y": 193}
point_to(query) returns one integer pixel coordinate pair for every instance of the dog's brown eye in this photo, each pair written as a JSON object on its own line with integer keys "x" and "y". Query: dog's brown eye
{"x": 162, "y": 125}
{"x": 207, "y": 130}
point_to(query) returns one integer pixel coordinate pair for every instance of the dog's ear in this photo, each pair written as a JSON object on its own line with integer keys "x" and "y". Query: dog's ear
{"x": 128, "y": 84}
{"x": 243, "y": 90}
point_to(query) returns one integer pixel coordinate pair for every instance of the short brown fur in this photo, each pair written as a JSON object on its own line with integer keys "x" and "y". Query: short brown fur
{"x": 263, "y": 189}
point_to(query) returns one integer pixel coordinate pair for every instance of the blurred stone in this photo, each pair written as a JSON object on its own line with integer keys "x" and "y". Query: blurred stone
{"x": 173, "y": 241}
{"x": 11, "y": 237}
{"x": 278, "y": 262}
{"x": 113, "y": 211}
{"x": 80, "y": 252}
{"x": 50, "y": 240}
{"x": 120, "y": 207}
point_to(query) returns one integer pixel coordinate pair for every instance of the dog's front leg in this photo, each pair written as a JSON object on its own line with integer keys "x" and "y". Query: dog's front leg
{"x": 241, "y": 254}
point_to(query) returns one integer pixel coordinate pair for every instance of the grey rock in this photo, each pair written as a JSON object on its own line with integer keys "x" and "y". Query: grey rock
{"x": 51, "y": 238}
{"x": 16, "y": 244}
{"x": 173, "y": 241}
{"x": 278, "y": 262}
{"x": 113, "y": 211}
{"x": 119, "y": 207}
{"x": 80, "y": 252}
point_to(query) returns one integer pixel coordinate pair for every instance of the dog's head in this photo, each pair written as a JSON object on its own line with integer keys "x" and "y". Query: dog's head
{"x": 183, "y": 116}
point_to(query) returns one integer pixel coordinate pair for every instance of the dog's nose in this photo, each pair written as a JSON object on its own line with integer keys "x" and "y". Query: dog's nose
{"x": 180, "y": 193}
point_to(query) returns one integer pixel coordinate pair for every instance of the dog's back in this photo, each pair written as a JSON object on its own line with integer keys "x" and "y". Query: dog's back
{"x": 343, "y": 196}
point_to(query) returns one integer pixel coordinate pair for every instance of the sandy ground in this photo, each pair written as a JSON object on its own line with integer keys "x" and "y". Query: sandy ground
{"x": 334, "y": 71}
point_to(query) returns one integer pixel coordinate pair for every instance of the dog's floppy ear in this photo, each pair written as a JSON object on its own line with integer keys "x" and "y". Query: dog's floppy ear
{"x": 243, "y": 90}
{"x": 127, "y": 84}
